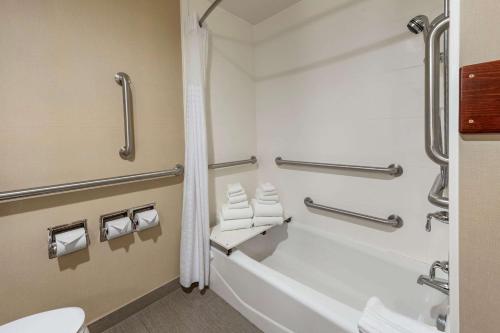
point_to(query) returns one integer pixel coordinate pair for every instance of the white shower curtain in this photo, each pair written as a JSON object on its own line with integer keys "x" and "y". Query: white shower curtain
{"x": 195, "y": 237}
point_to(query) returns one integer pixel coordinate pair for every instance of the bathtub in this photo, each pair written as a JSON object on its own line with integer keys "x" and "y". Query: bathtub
{"x": 300, "y": 279}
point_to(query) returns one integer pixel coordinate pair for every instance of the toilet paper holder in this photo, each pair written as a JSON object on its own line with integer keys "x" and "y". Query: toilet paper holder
{"x": 110, "y": 217}
{"x": 53, "y": 231}
{"x": 140, "y": 209}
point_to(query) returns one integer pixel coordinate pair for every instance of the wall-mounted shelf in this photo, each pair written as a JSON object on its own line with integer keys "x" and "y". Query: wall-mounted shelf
{"x": 229, "y": 240}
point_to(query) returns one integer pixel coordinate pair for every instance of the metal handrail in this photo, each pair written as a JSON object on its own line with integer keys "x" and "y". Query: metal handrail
{"x": 251, "y": 160}
{"x": 433, "y": 141}
{"x": 88, "y": 184}
{"x": 209, "y": 11}
{"x": 393, "y": 220}
{"x": 436, "y": 193}
{"x": 394, "y": 170}
{"x": 127, "y": 151}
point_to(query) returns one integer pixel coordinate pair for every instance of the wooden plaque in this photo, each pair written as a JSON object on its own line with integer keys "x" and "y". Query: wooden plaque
{"x": 480, "y": 98}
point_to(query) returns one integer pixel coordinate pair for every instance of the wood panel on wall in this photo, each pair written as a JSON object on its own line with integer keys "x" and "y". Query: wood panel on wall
{"x": 61, "y": 120}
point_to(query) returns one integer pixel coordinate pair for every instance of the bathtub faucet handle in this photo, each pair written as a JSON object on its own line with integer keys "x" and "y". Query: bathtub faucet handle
{"x": 441, "y": 216}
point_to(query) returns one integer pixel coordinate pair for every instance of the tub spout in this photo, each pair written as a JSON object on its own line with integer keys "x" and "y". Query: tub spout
{"x": 436, "y": 283}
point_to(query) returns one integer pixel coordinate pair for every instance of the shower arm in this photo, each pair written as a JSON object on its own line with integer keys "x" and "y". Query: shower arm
{"x": 208, "y": 12}
{"x": 433, "y": 138}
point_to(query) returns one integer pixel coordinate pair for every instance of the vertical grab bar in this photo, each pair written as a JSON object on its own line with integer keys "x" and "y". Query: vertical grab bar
{"x": 127, "y": 151}
{"x": 433, "y": 140}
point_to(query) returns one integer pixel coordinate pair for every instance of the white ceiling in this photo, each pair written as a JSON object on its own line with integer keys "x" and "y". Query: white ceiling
{"x": 256, "y": 11}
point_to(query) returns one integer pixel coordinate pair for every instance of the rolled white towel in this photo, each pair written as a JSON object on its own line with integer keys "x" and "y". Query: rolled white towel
{"x": 377, "y": 318}
{"x": 236, "y": 214}
{"x": 237, "y": 199}
{"x": 261, "y": 197}
{"x": 267, "y": 187}
{"x": 263, "y": 210}
{"x": 261, "y": 220}
{"x": 227, "y": 225}
{"x": 234, "y": 188}
{"x": 239, "y": 205}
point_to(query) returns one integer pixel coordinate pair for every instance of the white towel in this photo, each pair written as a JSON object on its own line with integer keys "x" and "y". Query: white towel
{"x": 267, "y": 187}
{"x": 266, "y": 194}
{"x": 259, "y": 195}
{"x": 259, "y": 221}
{"x": 267, "y": 202}
{"x": 239, "y": 205}
{"x": 263, "y": 210}
{"x": 377, "y": 318}
{"x": 235, "y": 194}
{"x": 234, "y": 188}
{"x": 236, "y": 214}
{"x": 237, "y": 199}
{"x": 226, "y": 225}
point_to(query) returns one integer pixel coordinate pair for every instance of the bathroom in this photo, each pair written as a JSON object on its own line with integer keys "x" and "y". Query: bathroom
{"x": 126, "y": 127}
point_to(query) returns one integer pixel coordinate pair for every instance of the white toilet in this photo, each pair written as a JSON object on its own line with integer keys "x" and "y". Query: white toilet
{"x": 65, "y": 320}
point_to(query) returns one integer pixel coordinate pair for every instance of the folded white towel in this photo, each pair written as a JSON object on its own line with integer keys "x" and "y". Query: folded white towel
{"x": 237, "y": 199}
{"x": 239, "y": 205}
{"x": 260, "y": 196}
{"x": 266, "y": 194}
{"x": 236, "y": 214}
{"x": 226, "y": 225}
{"x": 260, "y": 220}
{"x": 377, "y": 318}
{"x": 263, "y": 210}
{"x": 235, "y": 194}
{"x": 267, "y": 202}
{"x": 234, "y": 188}
{"x": 267, "y": 187}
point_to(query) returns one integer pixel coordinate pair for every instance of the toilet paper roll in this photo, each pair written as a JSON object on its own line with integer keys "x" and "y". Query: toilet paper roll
{"x": 146, "y": 219}
{"x": 70, "y": 241}
{"x": 117, "y": 228}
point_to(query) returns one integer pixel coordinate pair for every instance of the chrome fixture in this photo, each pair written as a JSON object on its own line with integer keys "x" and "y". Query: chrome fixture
{"x": 209, "y": 11}
{"x": 436, "y": 194}
{"x": 127, "y": 151}
{"x": 441, "y": 216}
{"x": 103, "y": 229}
{"x": 83, "y": 185}
{"x": 394, "y": 170}
{"x": 393, "y": 220}
{"x": 432, "y": 281}
{"x": 419, "y": 24}
{"x": 251, "y": 160}
{"x": 441, "y": 322}
{"x": 53, "y": 231}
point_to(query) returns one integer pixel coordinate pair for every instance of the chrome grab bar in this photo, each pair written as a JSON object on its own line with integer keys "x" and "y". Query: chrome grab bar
{"x": 251, "y": 160}
{"x": 394, "y": 170}
{"x": 433, "y": 139}
{"x": 127, "y": 151}
{"x": 393, "y": 220}
{"x": 88, "y": 184}
{"x": 436, "y": 193}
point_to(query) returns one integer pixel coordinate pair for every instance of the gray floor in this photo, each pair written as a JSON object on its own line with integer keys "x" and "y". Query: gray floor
{"x": 186, "y": 312}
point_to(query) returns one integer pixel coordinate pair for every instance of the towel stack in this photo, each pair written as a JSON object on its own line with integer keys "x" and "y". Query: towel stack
{"x": 236, "y": 213}
{"x": 266, "y": 206}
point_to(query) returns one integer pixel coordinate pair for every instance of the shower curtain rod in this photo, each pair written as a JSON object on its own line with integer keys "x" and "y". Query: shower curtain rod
{"x": 209, "y": 11}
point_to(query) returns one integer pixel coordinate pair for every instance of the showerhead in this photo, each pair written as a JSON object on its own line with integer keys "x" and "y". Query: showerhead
{"x": 419, "y": 24}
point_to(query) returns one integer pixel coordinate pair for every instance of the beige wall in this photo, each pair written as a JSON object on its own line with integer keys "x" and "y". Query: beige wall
{"x": 61, "y": 120}
{"x": 480, "y": 186}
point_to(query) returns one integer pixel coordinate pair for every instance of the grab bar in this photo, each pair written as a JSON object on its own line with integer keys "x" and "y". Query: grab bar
{"x": 433, "y": 141}
{"x": 251, "y": 160}
{"x": 127, "y": 151}
{"x": 393, "y": 220}
{"x": 436, "y": 193}
{"x": 88, "y": 184}
{"x": 392, "y": 170}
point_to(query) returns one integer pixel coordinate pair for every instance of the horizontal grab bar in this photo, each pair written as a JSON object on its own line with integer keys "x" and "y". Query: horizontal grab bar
{"x": 251, "y": 160}
{"x": 393, "y": 220}
{"x": 88, "y": 184}
{"x": 394, "y": 170}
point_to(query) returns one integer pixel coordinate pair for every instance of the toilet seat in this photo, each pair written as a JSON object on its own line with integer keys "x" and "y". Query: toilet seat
{"x": 65, "y": 320}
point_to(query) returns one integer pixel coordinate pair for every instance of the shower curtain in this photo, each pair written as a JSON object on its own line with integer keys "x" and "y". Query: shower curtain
{"x": 195, "y": 237}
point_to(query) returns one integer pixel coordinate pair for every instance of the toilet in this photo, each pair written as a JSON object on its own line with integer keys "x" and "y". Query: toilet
{"x": 65, "y": 320}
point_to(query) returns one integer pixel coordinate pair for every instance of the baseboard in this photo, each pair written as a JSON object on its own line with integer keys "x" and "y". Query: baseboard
{"x": 131, "y": 308}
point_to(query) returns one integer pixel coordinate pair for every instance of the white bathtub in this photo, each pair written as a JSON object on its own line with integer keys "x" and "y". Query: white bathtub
{"x": 299, "y": 279}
